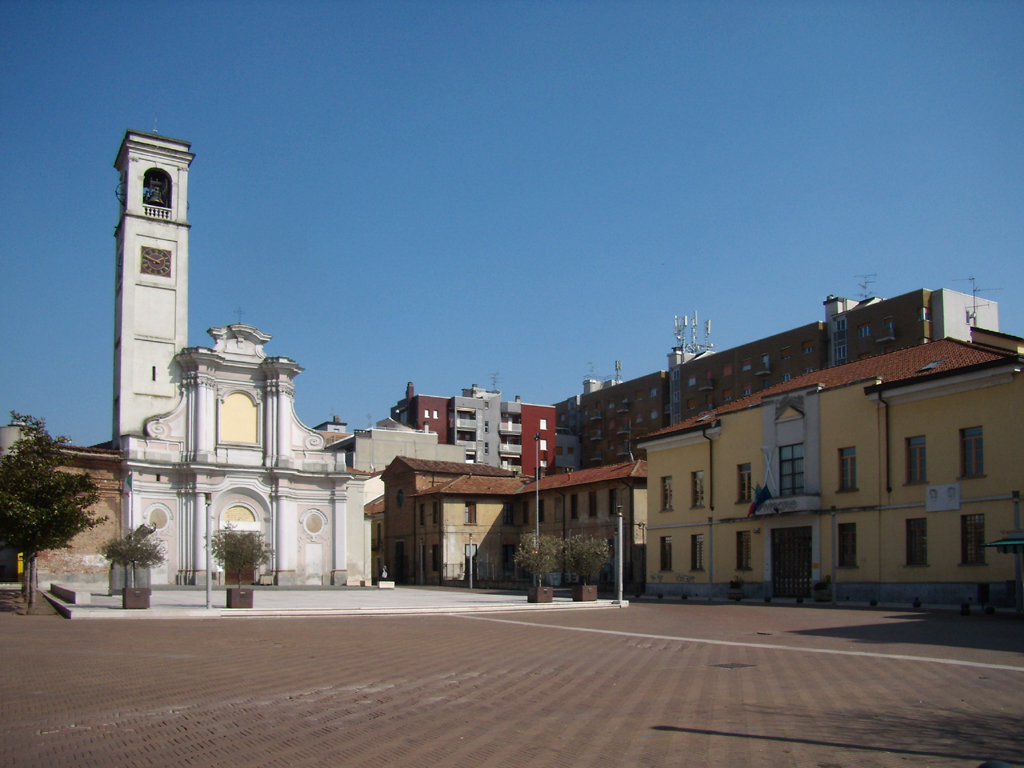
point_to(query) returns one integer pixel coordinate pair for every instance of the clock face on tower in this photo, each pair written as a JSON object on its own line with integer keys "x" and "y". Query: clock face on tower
{"x": 156, "y": 261}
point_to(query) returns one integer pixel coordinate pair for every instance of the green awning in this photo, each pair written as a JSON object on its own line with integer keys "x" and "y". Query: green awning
{"x": 1009, "y": 544}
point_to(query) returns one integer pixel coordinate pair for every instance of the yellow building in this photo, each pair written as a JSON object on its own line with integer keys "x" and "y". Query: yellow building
{"x": 884, "y": 477}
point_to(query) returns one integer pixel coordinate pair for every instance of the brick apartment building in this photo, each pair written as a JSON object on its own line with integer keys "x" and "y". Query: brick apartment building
{"x": 611, "y": 415}
{"x": 509, "y": 434}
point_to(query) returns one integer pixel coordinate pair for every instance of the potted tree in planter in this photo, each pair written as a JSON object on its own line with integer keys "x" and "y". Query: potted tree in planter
{"x": 538, "y": 556}
{"x": 137, "y": 550}
{"x": 823, "y": 590}
{"x": 585, "y": 556}
{"x": 238, "y": 551}
{"x": 735, "y": 591}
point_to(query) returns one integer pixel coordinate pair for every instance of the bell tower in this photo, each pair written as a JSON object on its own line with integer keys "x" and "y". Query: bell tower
{"x": 151, "y": 278}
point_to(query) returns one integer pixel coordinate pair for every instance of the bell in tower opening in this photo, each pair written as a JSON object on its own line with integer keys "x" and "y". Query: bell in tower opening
{"x": 156, "y": 188}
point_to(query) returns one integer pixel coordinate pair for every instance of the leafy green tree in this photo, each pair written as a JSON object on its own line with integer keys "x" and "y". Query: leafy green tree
{"x": 538, "y": 556}
{"x": 138, "y": 549}
{"x": 42, "y": 505}
{"x": 240, "y": 550}
{"x": 585, "y": 555}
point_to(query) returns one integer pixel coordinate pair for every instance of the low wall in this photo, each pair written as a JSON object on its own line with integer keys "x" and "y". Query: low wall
{"x": 75, "y": 596}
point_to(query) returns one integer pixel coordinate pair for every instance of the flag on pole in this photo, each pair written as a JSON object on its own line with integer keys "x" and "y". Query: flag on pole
{"x": 128, "y": 484}
{"x": 761, "y": 495}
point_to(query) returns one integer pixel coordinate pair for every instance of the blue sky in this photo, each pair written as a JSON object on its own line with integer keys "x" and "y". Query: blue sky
{"x": 440, "y": 191}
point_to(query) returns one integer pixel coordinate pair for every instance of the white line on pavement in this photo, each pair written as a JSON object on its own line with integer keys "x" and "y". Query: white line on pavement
{"x": 771, "y": 646}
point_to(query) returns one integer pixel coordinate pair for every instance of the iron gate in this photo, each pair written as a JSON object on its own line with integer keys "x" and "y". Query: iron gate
{"x": 791, "y": 562}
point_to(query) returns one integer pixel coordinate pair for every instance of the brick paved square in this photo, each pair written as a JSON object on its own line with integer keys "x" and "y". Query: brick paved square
{"x": 656, "y": 684}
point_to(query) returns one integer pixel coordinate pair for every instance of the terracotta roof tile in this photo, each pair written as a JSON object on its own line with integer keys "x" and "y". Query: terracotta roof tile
{"x": 91, "y": 450}
{"x": 587, "y": 476}
{"x": 476, "y": 486}
{"x": 943, "y": 356}
{"x": 375, "y": 507}
{"x": 452, "y": 467}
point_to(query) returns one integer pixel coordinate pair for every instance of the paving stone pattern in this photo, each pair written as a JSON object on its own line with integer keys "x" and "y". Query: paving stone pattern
{"x": 553, "y": 689}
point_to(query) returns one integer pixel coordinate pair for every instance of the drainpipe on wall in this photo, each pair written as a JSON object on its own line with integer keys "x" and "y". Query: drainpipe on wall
{"x": 711, "y": 470}
{"x": 888, "y": 481}
{"x": 711, "y": 556}
{"x": 711, "y": 518}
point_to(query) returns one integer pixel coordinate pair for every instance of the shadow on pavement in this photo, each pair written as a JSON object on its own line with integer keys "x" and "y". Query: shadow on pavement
{"x": 1000, "y": 632}
{"x": 11, "y": 602}
{"x": 943, "y": 734}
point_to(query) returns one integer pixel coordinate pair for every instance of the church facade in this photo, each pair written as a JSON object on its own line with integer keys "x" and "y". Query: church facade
{"x": 212, "y": 431}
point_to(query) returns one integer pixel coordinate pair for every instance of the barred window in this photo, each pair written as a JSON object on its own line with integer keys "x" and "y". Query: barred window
{"x": 972, "y": 539}
{"x": 847, "y": 545}
{"x": 743, "y": 550}
{"x": 917, "y": 541}
{"x": 697, "y": 552}
{"x": 666, "y": 553}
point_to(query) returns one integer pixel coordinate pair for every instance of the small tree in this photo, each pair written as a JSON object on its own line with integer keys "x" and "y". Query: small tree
{"x": 138, "y": 549}
{"x": 240, "y": 550}
{"x": 585, "y": 555}
{"x": 42, "y": 505}
{"x": 538, "y": 556}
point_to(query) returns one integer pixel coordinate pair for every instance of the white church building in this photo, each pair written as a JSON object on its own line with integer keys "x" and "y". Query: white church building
{"x": 213, "y": 430}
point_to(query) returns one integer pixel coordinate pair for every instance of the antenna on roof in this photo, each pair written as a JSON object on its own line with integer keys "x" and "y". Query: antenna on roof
{"x": 155, "y": 116}
{"x": 972, "y": 316}
{"x": 686, "y": 324}
{"x": 239, "y": 311}
{"x": 494, "y": 380}
{"x": 618, "y": 371}
{"x": 864, "y": 294}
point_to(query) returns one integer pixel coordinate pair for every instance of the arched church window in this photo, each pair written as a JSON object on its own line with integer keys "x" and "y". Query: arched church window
{"x": 238, "y": 419}
{"x": 156, "y": 188}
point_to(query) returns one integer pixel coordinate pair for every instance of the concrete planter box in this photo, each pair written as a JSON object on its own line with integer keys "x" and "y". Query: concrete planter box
{"x": 135, "y": 598}
{"x": 584, "y": 592}
{"x": 823, "y": 595}
{"x": 239, "y": 597}
{"x": 117, "y": 579}
{"x": 539, "y": 594}
{"x": 734, "y": 594}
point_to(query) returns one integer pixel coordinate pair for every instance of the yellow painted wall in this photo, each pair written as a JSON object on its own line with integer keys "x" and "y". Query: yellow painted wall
{"x": 238, "y": 419}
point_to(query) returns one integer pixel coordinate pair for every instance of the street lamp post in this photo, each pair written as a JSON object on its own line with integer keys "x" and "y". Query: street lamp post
{"x": 209, "y": 554}
{"x": 618, "y": 554}
{"x": 536, "y": 502}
